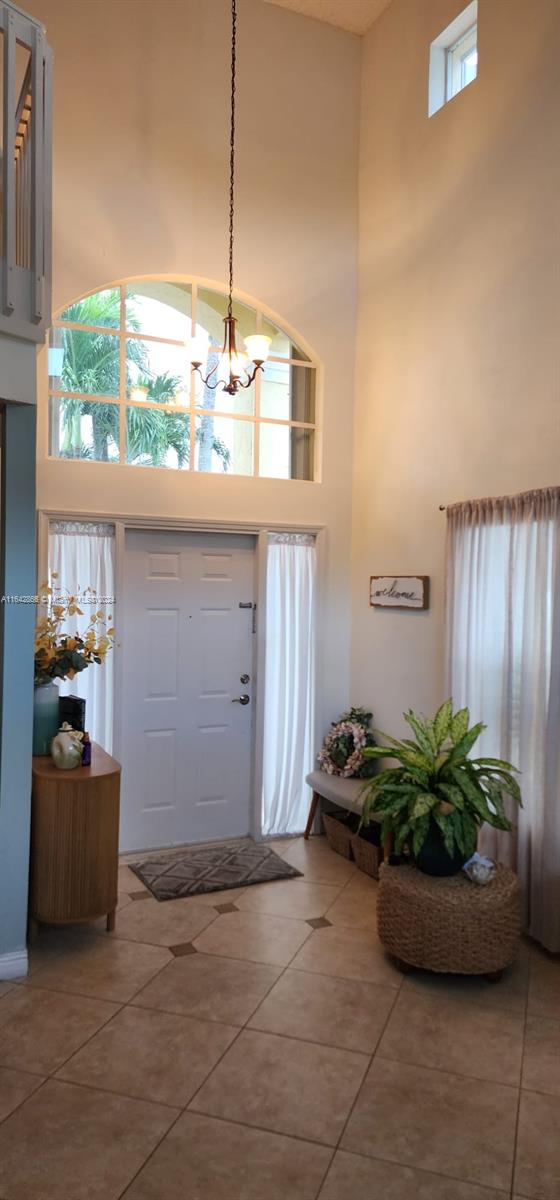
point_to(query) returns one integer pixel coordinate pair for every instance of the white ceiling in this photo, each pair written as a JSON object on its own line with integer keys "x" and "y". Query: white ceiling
{"x": 354, "y": 15}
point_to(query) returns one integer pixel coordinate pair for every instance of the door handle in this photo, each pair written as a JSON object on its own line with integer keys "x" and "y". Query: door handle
{"x": 245, "y": 699}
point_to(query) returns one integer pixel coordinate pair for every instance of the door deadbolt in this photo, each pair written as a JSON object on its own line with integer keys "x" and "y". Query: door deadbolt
{"x": 244, "y": 678}
{"x": 245, "y": 699}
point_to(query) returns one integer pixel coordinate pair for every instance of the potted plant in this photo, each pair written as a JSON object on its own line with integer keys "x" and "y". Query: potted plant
{"x": 434, "y": 802}
{"x": 61, "y": 655}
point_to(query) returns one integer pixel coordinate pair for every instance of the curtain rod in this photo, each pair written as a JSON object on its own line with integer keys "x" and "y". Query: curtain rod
{"x": 534, "y": 494}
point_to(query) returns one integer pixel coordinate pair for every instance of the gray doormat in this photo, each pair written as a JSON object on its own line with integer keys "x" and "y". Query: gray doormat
{"x": 197, "y": 870}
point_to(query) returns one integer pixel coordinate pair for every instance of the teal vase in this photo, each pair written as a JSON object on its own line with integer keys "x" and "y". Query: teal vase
{"x": 45, "y": 717}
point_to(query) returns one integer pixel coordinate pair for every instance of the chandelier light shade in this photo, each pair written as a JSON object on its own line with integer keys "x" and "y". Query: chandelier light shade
{"x": 235, "y": 369}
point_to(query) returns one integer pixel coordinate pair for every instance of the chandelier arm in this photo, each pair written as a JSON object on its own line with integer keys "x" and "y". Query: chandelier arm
{"x": 214, "y": 369}
{"x": 245, "y": 383}
{"x": 206, "y": 378}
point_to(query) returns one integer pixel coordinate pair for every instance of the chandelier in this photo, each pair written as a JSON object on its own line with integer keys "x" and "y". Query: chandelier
{"x": 238, "y": 367}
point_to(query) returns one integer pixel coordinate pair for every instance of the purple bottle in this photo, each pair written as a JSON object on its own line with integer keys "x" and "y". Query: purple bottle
{"x": 86, "y": 752}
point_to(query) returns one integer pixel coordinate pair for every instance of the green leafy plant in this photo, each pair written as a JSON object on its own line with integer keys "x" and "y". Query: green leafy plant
{"x": 436, "y": 781}
{"x": 359, "y": 714}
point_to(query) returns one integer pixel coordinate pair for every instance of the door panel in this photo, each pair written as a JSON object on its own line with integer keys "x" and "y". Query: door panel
{"x": 162, "y": 632}
{"x": 186, "y": 744}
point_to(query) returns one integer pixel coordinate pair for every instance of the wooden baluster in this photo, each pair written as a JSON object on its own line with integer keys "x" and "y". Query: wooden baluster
{"x": 8, "y": 167}
{"x": 37, "y": 173}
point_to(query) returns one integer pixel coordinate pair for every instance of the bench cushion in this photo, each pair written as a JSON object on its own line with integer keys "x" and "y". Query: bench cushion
{"x": 347, "y": 793}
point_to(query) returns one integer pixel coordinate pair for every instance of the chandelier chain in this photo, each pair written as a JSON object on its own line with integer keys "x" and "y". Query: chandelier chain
{"x": 240, "y": 375}
{"x": 232, "y": 149}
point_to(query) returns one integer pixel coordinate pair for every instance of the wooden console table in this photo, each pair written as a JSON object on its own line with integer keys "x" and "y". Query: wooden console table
{"x": 74, "y": 841}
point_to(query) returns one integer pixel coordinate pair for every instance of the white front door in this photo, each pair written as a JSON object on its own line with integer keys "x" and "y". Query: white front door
{"x": 187, "y": 643}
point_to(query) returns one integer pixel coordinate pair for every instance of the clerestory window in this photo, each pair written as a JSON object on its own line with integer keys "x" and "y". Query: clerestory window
{"x": 453, "y": 58}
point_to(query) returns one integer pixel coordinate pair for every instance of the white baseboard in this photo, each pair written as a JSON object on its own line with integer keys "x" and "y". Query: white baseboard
{"x": 14, "y": 965}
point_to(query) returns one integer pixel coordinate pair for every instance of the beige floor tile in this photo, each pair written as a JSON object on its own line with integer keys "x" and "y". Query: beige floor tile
{"x": 352, "y": 1177}
{"x": 435, "y": 1121}
{"x": 356, "y": 907}
{"x": 337, "y": 1012}
{"x": 129, "y": 882}
{"x": 288, "y": 899}
{"x": 71, "y": 1143}
{"x": 360, "y": 881}
{"x": 205, "y": 1159}
{"x": 54, "y": 942}
{"x": 509, "y": 993}
{"x": 102, "y": 968}
{"x": 162, "y": 922}
{"x": 537, "y": 1169}
{"x": 215, "y": 989}
{"x": 210, "y": 899}
{"x": 347, "y": 954}
{"x": 544, "y": 987}
{"x": 453, "y": 1034}
{"x": 153, "y": 1055}
{"x": 318, "y": 862}
{"x": 39, "y": 1030}
{"x": 259, "y": 937}
{"x": 284, "y": 1085}
{"x": 123, "y": 900}
{"x": 281, "y": 844}
{"x": 15, "y": 1087}
{"x": 541, "y": 1061}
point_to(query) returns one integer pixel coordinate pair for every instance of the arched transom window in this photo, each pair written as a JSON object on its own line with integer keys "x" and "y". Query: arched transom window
{"x": 121, "y": 388}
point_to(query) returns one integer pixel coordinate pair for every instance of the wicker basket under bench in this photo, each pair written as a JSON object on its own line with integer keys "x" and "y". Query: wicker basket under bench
{"x": 341, "y": 826}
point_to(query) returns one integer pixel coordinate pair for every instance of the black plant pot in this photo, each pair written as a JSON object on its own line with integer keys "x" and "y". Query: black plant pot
{"x": 434, "y": 859}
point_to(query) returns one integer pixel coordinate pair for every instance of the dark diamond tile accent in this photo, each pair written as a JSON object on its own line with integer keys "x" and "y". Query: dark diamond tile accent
{"x": 319, "y": 923}
{"x": 140, "y": 896}
{"x": 183, "y": 948}
{"x": 224, "y": 908}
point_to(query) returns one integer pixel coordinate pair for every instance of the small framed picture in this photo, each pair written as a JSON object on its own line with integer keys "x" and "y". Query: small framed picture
{"x": 399, "y": 591}
{"x": 73, "y": 710}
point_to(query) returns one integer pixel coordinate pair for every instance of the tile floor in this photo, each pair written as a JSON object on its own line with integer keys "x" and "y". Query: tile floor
{"x": 257, "y": 1045}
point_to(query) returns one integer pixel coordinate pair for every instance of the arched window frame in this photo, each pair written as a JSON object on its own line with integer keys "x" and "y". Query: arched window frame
{"x": 310, "y": 429}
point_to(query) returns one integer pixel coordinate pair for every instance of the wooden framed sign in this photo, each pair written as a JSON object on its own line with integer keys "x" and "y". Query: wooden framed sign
{"x": 399, "y": 591}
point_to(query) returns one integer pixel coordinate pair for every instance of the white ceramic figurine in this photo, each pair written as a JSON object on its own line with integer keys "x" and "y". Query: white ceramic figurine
{"x": 66, "y": 748}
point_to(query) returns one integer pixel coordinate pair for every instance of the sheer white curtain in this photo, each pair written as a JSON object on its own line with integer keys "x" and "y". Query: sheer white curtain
{"x": 289, "y": 684}
{"x": 503, "y": 596}
{"x": 82, "y": 555}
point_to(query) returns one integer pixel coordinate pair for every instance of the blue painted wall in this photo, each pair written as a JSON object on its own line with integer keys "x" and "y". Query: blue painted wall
{"x": 17, "y": 623}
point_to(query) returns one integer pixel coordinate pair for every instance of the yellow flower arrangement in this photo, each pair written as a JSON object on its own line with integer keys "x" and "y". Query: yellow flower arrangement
{"x": 60, "y": 655}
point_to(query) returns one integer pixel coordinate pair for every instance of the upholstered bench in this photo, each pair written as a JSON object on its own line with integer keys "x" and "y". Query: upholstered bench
{"x": 345, "y": 793}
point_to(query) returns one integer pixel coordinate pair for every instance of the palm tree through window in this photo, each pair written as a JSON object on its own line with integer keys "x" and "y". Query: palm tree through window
{"x": 122, "y": 392}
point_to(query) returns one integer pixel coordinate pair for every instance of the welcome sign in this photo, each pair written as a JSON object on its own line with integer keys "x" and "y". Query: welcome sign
{"x": 399, "y": 591}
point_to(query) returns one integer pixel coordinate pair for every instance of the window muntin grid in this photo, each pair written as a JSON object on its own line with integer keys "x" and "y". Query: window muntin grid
{"x": 150, "y": 341}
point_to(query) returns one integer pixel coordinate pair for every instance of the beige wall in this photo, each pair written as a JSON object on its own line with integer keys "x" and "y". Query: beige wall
{"x": 140, "y": 165}
{"x": 459, "y": 306}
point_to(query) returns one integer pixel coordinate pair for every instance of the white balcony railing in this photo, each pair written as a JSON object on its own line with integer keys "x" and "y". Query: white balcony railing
{"x": 25, "y": 187}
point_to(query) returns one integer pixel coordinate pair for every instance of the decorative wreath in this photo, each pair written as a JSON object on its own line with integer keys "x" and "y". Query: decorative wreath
{"x": 342, "y": 752}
